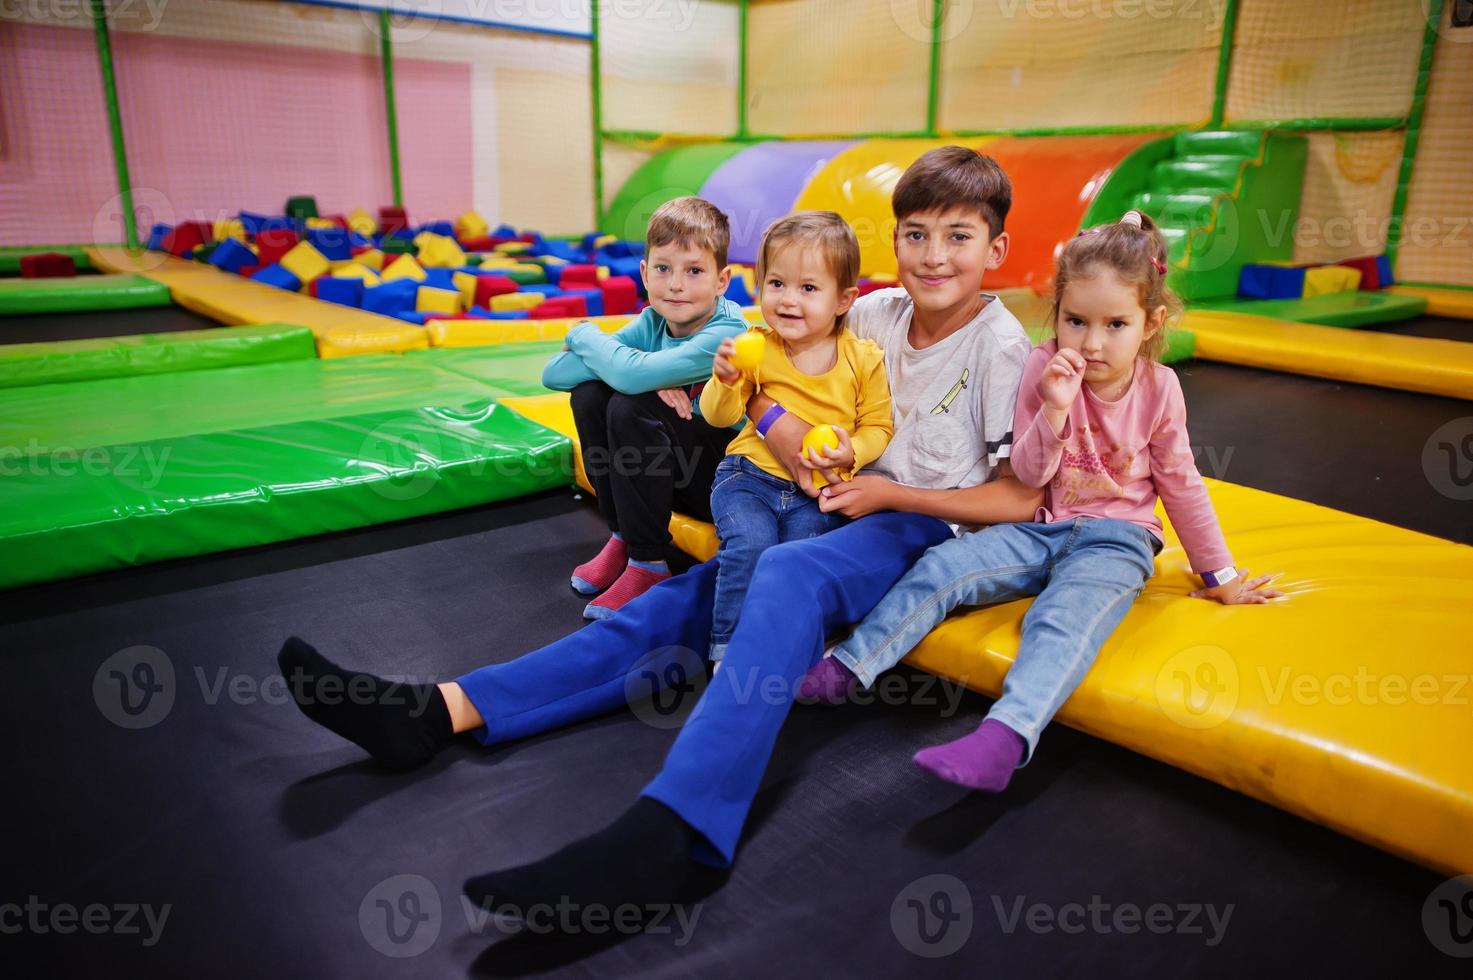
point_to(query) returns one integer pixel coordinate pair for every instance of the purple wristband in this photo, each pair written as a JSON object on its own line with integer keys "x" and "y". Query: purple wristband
{"x": 769, "y": 417}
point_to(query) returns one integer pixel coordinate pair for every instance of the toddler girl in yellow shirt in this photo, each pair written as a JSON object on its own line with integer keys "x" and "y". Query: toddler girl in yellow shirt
{"x": 812, "y": 366}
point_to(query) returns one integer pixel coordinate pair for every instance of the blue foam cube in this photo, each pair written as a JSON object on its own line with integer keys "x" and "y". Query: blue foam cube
{"x": 504, "y": 231}
{"x": 331, "y": 242}
{"x": 1271, "y": 282}
{"x": 156, "y": 236}
{"x": 593, "y": 299}
{"x": 446, "y": 228}
{"x": 393, "y": 297}
{"x": 737, "y": 292}
{"x": 486, "y": 314}
{"x": 232, "y": 255}
{"x": 545, "y": 288}
{"x": 440, "y": 279}
{"x": 344, "y": 291}
{"x": 1383, "y": 271}
{"x": 277, "y": 275}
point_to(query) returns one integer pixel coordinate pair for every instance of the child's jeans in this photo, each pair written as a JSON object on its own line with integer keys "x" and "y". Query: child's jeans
{"x": 1085, "y": 572}
{"x": 754, "y": 510}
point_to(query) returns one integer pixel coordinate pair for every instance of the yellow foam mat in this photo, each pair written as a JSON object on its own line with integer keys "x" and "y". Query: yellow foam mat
{"x": 1441, "y": 302}
{"x": 1345, "y": 703}
{"x": 230, "y": 299}
{"x": 1436, "y": 367}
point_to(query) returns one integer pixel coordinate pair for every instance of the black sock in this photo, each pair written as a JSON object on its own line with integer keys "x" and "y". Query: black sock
{"x": 400, "y": 725}
{"x": 640, "y": 861}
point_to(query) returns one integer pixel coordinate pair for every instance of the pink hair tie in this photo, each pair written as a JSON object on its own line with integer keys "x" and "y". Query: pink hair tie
{"x": 1160, "y": 266}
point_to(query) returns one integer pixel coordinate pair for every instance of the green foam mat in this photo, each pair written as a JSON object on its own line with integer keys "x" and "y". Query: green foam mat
{"x": 64, "y": 514}
{"x": 513, "y": 368}
{"x": 10, "y": 256}
{"x": 60, "y": 361}
{"x": 80, "y": 294}
{"x": 1352, "y": 309}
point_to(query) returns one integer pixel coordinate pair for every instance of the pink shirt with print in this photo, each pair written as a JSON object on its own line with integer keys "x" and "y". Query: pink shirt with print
{"x": 1115, "y": 458}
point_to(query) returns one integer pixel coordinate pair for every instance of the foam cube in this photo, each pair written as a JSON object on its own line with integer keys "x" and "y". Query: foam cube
{"x": 507, "y": 302}
{"x": 439, "y": 252}
{"x": 559, "y": 306}
{"x": 404, "y": 267}
{"x": 439, "y": 279}
{"x": 278, "y": 275}
{"x": 512, "y": 248}
{"x": 523, "y": 273}
{"x": 593, "y": 300}
{"x": 186, "y": 237}
{"x": 445, "y": 229}
{"x": 370, "y": 257}
{"x": 396, "y": 245}
{"x": 502, "y": 314}
{"x": 301, "y": 207}
{"x": 471, "y": 225}
{"x": 465, "y": 284}
{"x": 603, "y": 241}
{"x": 229, "y": 228}
{"x": 331, "y": 241}
{"x": 352, "y": 270}
{"x": 232, "y": 255}
{"x": 432, "y": 300}
{"x": 1369, "y": 267}
{"x": 328, "y": 221}
{"x": 391, "y": 218}
{"x": 621, "y": 296}
{"x": 391, "y": 297}
{"x": 47, "y": 265}
{"x": 361, "y": 222}
{"x": 545, "y": 288}
{"x": 1265, "y": 281}
{"x": 489, "y": 286}
{"x": 574, "y": 276}
{"x": 156, "y": 236}
{"x": 342, "y": 290}
{"x": 272, "y": 244}
{"x": 305, "y": 262}
{"x": 1327, "y": 279}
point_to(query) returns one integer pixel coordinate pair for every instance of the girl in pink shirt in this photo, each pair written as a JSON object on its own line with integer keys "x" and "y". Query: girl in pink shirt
{"x": 1102, "y": 425}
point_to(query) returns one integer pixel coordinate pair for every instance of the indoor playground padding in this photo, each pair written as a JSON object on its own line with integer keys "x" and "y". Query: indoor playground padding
{"x": 10, "y": 256}
{"x": 79, "y": 294}
{"x": 1441, "y": 301}
{"x": 1350, "y": 309}
{"x": 1266, "y": 700}
{"x": 122, "y": 471}
{"x": 117, "y": 357}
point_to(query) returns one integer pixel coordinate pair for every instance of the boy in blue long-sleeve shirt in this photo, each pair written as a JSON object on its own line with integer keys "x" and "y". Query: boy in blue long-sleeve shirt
{"x": 645, "y": 447}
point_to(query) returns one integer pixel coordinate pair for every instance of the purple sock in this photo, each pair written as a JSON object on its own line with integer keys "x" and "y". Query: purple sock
{"x": 983, "y": 760}
{"x": 827, "y": 682}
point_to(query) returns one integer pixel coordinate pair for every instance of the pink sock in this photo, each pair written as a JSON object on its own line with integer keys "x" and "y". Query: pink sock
{"x": 827, "y": 682}
{"x": 634, "y": 582}
{"x": 599, "y": 572}
{"x": 983, "y": 760}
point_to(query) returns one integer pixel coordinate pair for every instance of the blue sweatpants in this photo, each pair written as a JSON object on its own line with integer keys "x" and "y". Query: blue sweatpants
{"x": 801, "y": 592}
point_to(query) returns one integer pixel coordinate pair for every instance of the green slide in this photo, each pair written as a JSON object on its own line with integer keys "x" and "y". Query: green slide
{"x": 663, "y": 177}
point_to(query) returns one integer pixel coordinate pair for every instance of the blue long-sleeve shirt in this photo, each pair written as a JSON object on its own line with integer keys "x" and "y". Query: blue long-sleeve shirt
{"x": 642, "y": 356}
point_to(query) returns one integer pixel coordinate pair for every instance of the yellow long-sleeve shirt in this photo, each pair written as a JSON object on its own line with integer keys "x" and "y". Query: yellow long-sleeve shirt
{"x": 854, "y": 395}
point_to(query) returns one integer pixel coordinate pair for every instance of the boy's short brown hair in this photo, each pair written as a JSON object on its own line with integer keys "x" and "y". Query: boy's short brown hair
{"x": 955, "y": 177}
{"x": 692, "y": 222}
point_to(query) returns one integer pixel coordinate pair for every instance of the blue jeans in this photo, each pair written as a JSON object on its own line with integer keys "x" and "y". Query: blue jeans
{"x": 754, "y": 510}
{"x": 1085, "y": 572}
{"x": 802, "y": 591}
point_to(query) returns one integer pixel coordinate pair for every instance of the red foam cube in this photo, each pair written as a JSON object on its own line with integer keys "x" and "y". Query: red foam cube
{"x": 620, "y": 295}
{"x": 559, "y": 306}
{"x": 47, "y": 265}
{"x": 488, "y": 286}
{"x": 578, "y": 277}
{"x": 391, "y": 218}
{"x": 273, "y": 244}
{"x": 249, "y": 270}
{"x": 186, "y": 237}
{"x": 1370, "y": 274}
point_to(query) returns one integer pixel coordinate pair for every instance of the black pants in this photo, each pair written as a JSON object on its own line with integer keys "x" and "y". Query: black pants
{"x": 643, "y": 461}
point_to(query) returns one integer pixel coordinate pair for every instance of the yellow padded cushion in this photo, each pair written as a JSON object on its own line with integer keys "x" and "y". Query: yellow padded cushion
{"x": 1344, "y": 703}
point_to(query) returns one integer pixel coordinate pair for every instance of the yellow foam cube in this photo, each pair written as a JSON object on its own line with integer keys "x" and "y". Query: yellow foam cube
{"x": 551, "y": 261}
{"x": 404, "y": 267}
{"x": 352, "y": 270}
{"x": 373, "y": 259}
{"x": 497, "y": 261}
{"x": 512, "y": 248}
{"x": 471, "y": 225}
{"x": 305, "y": 262}
{"x": 1330, "y": 279}
{"x": 439, "y": 252}
{"x": 433, "y": 300}
{"x": 507, "y": 302}
{"x": 362, "y": 222}
{"x": 603, "y": 240}
{"x": 466, "y": 283}
{"x": 229, "y": 228}
{"x": 603, "y": 272}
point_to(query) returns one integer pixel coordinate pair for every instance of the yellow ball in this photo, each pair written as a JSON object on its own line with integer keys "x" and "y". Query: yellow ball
{"x": 819, "y": 437}
{"x": 750, "y": 347}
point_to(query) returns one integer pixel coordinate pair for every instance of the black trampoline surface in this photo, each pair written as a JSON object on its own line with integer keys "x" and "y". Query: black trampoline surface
{"x": 271, "y": 842}
{"x": 1437, "y": 327}
{"x": 42, "y": 327}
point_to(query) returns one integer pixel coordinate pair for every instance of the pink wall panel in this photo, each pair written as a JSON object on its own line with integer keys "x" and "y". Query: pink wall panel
{"x": 435, "y": 154}
{"x": 56, "y": 170}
